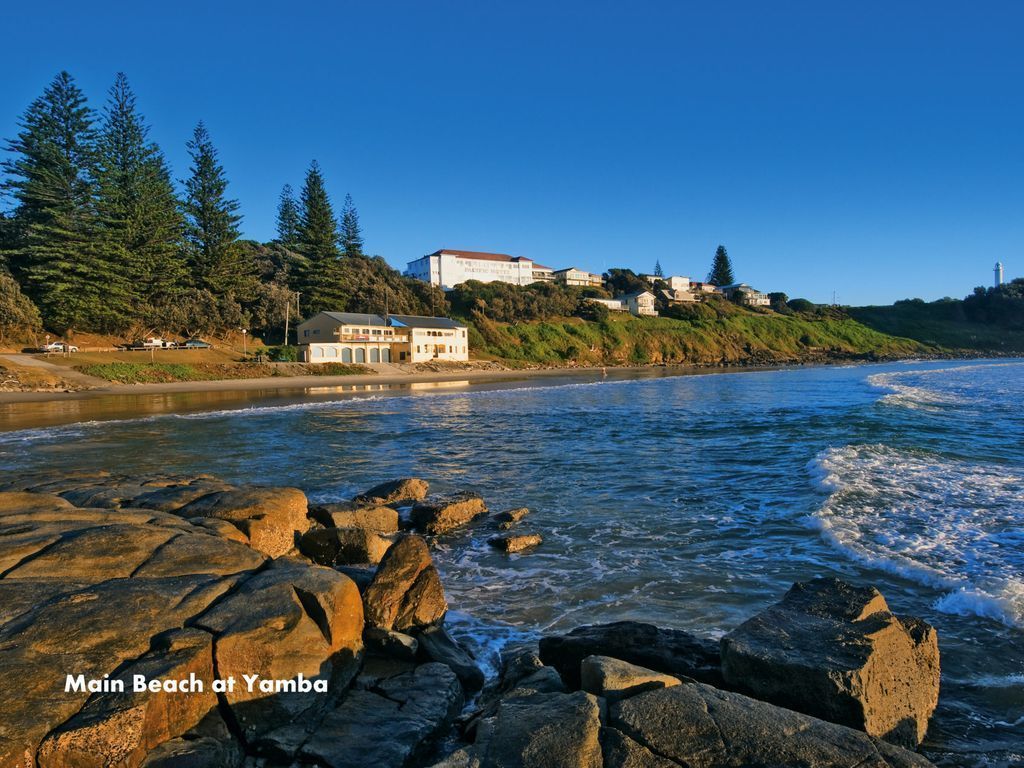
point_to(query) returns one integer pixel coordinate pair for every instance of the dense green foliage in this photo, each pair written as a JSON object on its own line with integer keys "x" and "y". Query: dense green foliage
{"x": 99, "y": 239}
{"x": 514, "y": 303}
{"x": 991, "y": 319}
{"x": 721, "y": 268}
{"x": 711, "y": 333}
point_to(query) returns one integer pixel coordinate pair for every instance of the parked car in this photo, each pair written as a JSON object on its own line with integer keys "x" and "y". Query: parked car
{"x": 196, "y": 344}
{"x": 58, "y": 346}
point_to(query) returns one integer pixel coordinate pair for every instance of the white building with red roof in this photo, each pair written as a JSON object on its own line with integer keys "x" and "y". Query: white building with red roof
{"x": 447, "y": 268}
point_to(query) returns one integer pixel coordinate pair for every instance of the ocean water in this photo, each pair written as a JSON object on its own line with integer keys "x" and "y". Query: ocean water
{"x": 686, "y": 501}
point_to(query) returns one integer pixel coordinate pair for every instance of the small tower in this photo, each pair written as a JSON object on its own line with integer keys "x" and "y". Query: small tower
{"x": 999, "y": 273}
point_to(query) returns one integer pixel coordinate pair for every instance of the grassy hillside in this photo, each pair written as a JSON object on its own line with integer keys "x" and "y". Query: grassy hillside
{"x": 940, "y": 323}
{"x": 715, "y": 332}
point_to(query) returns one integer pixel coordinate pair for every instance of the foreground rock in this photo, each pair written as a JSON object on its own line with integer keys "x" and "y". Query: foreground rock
{"x": 343, "y": 546}
{"x": 406, "y": 590}
{"x": 615, "y": 680}
{"x": 389, "y": 725}
{"x": 118, "y": 591}
{"x": 437, "y": 645}
{"x": 670, "y": 651}
{"x": 512, "y": 544}
{"x": 836, "y": 652}
{"x": 445, "y": 515}
{"x": 697, "y": 725}
{"x": 271, "y": 518}
{"x": 350, "y": 514}
{"x": 395, "y": 492}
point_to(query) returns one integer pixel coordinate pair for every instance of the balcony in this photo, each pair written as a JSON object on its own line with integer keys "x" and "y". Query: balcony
{"x": 396, "y": 339}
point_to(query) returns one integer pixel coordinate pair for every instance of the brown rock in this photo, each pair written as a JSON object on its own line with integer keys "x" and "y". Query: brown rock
{"x": 289, "y": 619}
{"x": 396, "y": 492}
{"x": 437, "y": 645}
{"x": 510, "y": 517}
{"x": 511, "y": 544}
{"x": 406, "y": 590}
{"x": 447, "y": 514}
{"x": 271, "y": 518}
{"x": 121, "y": 728}
{"x": 835, "y": 651}
{"x": 343, "y": 546}
{"x": 349, "y": 514}
{"x": 616, "y": 680}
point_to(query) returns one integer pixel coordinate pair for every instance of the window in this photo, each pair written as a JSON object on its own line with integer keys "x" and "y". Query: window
{"x": 305, "y": 333}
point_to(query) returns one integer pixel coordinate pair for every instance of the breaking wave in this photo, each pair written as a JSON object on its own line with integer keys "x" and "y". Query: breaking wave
{"x": 952, "y": 525}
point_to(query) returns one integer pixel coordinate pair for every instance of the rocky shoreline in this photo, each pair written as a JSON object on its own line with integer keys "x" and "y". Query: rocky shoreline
{"x": 330, "y": 620}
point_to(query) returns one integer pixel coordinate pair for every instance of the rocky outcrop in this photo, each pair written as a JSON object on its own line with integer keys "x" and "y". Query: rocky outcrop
{"x": 835, "y": 651}
{"x": 351, "y": 514}
{"x": 271, "y": 518}
{"x": 510, "y": 543}
{"x": 436, "y": 644}
{"x": 343, "y": 546}
{"x": 510, "y": 517}
{"x": 697, "y": 725}
{"x": 406, "y": 591}
{"x": 390, "y": 724}
{"x": 670, "y": 651}
{"x": 395, "y": 492}
{"x": 543, "y": 730}
{"x": 114, "y": 592}
{"x": 615, "y": 680}
{"x": 445, "y": 515}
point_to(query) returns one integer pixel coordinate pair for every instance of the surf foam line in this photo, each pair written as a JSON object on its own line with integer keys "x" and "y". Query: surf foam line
{"x": 950, "y": 525}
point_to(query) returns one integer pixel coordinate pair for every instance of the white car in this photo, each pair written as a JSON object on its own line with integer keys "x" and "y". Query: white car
{"x": 58, "y": 346}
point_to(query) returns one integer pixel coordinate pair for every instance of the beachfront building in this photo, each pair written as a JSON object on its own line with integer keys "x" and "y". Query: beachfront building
{"x": 747, "y": 296}
{"x": 580, "y": 277}
{"x": 447, "y": 268}
{"x": 348, "y": 337}
{"x": 430, "y": 338}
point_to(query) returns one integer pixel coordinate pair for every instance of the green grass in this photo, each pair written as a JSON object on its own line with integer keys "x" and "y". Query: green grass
{"x": 336, "y": 369}
{"x": 708, "y": 334}
{"x": 147, "y": 373}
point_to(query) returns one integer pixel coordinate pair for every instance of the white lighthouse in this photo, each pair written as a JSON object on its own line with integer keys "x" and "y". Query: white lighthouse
{"x": 999, "y": 273}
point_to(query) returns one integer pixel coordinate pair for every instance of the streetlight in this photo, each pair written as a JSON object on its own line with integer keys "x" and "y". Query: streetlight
{"x": 245, "y": 354}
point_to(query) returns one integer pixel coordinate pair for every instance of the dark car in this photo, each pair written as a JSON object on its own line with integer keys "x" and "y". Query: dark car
{"x": 197, "y": 344}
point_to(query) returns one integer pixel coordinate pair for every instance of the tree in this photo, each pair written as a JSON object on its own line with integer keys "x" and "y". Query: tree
{"x": 658, "y": 272}
{"x": 721, "y": 268}
{"x": 52, "y": 178}
{"x": 17, "y": 312}
{"x": 138, "y": 209}
{"x": 212, "y": 224}
{"x": 620, "y": 281}
{"x": 287, "y": 217}
{"x": 318, "y": 242}
{"x": 351, "y": 236}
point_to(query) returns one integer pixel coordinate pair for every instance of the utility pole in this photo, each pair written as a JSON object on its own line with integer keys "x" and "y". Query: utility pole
{"x": 287, "y": 310}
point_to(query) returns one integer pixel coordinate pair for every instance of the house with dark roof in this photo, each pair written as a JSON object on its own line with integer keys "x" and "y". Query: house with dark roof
{"x": 348, "y": 337}
{"x": 448, "y": 267}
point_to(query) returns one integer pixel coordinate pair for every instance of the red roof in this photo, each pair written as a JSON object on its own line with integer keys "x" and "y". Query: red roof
{"x": 481, "y": 255}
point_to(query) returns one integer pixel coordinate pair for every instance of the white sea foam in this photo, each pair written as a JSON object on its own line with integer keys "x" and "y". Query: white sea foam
{"x": 948, "y": 524}
{"x": 935, "y": 388}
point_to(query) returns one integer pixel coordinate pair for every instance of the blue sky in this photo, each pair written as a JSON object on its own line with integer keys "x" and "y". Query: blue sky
{"x": 871, "y": 149}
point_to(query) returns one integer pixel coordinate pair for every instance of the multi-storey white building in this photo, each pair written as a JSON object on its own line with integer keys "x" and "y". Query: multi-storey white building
{"x": 447, "y": 268}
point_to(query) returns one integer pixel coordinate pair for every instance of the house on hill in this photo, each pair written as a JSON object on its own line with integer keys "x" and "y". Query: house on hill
{"x": 747, "y": 296}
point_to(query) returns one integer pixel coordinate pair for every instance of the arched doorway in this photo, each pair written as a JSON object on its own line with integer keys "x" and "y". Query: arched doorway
{"x": 346, "y": 355}
{"x": 385, "y": 355}
{"x": 360, "y": 355}
{"x": 374, "y": 355}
